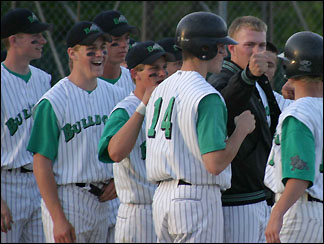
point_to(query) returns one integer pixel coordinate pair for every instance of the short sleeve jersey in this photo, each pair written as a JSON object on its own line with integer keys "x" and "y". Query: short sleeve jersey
{"x": 297, "y": 148}
{"x": 173, "y": 150}
{"x": 18, "y": 96}
{"x": 79, "y": 119}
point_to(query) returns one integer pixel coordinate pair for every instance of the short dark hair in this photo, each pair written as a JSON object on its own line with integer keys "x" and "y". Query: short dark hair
{"x": 272, "y": 48}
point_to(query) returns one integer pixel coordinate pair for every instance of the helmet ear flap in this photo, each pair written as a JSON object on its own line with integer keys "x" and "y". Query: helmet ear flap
{"x": 208, "y": 52}
{"x": 202, "y": 48}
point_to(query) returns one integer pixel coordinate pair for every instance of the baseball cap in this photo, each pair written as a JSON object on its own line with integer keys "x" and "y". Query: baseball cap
{"x": 131, "y": 42}
{"x": 169, "y": 46}
{"x": 85, "y": 33}
{"x": 114, "y": 23}
{"x": 21, "y": 20}
{"x": 145, "y": 53}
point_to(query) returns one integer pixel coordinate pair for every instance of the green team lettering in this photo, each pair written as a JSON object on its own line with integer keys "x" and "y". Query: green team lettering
{"x": 14, "y": 123}
{"x": 97, "y": 119}
{"x": 70, "y": 130}
{"x": 26, "y": 114}
{"x": 77, "y": 127}
{"x": 12, "y": 126}
{"x": 157, "y": 106}
{"x": 104, "y": 119}
{"x": 143, "y": 150}
{"x": 166, "y": 124}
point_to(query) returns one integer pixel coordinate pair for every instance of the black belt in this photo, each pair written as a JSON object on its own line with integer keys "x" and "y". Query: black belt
{"x": 312, "y": 199}
{"x": 22, "y": 170}
{"x": 93, "y": 189}
{"x": 181, "y": 182}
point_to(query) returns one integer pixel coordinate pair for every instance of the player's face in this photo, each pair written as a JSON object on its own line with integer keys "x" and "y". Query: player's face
{"x": 118, "y": 48}
{"x": 216, "y": 63}
{"x": 153, "y": 74}
{"x": 91, "y": 59}
{"x": 249, "y": 43}
{"x": 272, "y": 65}
{"x": 29, "y": 46}
{"x": 172, "y": 67}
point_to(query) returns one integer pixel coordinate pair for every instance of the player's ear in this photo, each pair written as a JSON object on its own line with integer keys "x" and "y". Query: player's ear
{"x": 72, "y": 53}
{"x": 12, "y": 40}
{"x": 133, "y": 73}
{"x": 230, "y": 48}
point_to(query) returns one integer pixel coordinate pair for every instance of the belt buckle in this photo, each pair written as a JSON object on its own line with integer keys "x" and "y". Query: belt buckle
{"x": 87, "y": 187}
{"x": 95, "y": 190}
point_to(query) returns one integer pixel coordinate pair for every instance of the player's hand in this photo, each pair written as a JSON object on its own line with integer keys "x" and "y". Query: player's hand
{"x": 6, "y": 217}
{"x": 245, "y": 122}
{"x": 288, "y": 91}
{"x": 147, "y": 94}
{"x": 64, "y": 232}
{"x": 258, "y": 64}
{"x": 109, "y": 192}
{"x": 273, "y": 228}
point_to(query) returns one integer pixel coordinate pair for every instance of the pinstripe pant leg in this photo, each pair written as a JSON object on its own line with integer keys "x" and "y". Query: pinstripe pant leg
{"x": 34, "y": 232}
{"x": 303, "y": 223}
{"x": 246, "y": 223}
{"x": 20, "y": 192}
{"x": 113, "y": 210}
{"x": 135, "y": 224}
{"x": 188, "y": 213}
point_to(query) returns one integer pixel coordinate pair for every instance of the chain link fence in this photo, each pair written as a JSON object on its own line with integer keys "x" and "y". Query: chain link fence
{"x": 158, "y": 19}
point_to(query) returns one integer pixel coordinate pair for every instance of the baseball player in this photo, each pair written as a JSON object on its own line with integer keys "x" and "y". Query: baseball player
{"x": 130, "y": 44}
{"x": 243, "y": 85}
{"x": 69, "y": 120}
{"x": 272, "y": 62}
{"x": 169, "y": 46}
{"x": 21, "y": 86}
{"x": 114, "y": 23}
{"x": 295, "y": 166}
{"x": 123, "y": 141}
{"x": 188, "y": 153}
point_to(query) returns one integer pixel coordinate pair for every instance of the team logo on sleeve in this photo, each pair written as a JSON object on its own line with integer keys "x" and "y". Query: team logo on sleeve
{"x": 297, "y": 163}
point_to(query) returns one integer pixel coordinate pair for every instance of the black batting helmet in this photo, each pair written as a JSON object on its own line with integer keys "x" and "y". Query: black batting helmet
{"x": 303, "y": 55}
{"x": 199, "y": 33}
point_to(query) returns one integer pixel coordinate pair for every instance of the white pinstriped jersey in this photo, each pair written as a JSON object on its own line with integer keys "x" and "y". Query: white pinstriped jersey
{"x": 282, "y": 102}
{"x": 125, "y": 81}
{"x": 309, "y": 111}
{"x": 179, "y": 157}
{"x": 81, "y": 117}
{"x": 130, "y": 174}
{"x": 17, "y": 100}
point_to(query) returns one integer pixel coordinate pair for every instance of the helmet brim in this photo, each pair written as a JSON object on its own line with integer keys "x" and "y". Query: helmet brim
{"x": 225, "y": 40}
{"x": 282, "y": 56}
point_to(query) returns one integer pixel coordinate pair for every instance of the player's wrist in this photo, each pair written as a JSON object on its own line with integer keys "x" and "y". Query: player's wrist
{"x": 141, "y": 109}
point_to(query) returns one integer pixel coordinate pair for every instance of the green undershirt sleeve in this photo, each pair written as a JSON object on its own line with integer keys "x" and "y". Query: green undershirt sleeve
{"x": 211, "y": 124}
{"x": 297, "y": 151}
{"x": 44, "y": 138}
{"x": 116, "y": 120}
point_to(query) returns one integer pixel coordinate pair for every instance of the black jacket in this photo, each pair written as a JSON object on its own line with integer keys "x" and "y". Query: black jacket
{"x": 237, "y": 86}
